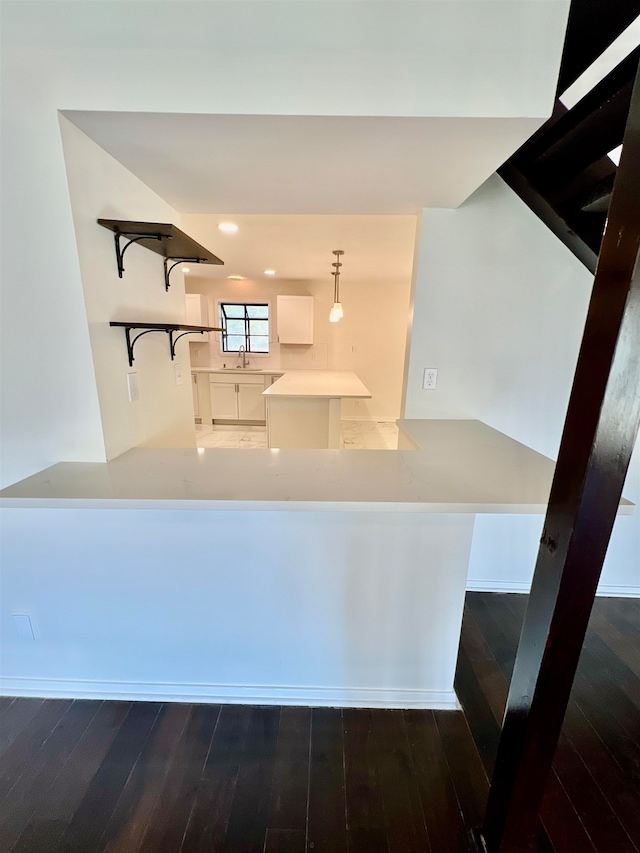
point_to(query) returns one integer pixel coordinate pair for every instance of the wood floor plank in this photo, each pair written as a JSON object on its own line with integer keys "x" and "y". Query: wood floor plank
{"x": 25, "y": 746}
{"x": 594, "y": 811}
{"x": 289, "y": 793}
{"x": 491, "y": 678}
{"x": 617, "y": 642}
{"x": 84, "y": 831}
{"x": 623, "y": 797}
{"x": 403, "y": 816}
{"x": 49, "y": 821}
{"x": 602, "y": 711}
{"x": 501, "y": 644}
{"x": 5, "y": 701}
{"x": 16, "y": 718}
{"x": 445, "y": 825}
{"x": 559, "y": 819}
{"x": 468, "y": 775}
{"x": 211, "y": 810}
{"x": 327, "y": 825}
{"x": 128, "y": 823}
{"x": 365, "y": 821}
{"x": 601, "y": 657}
{"x": 285, "y": 841}
{"x": 248, "y": 821}
{"x": 483, "y": 724}
{"x": 31, "y": 788}
{"x": 167, "y": 825}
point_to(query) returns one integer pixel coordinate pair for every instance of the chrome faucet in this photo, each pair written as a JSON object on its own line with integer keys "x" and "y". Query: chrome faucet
{"x": 245, "y": 360}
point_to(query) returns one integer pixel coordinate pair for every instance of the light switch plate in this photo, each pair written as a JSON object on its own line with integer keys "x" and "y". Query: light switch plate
{"x": 132, "y": 387}
{"x": 430, "y": 378}
{"x": 177, "y": 372}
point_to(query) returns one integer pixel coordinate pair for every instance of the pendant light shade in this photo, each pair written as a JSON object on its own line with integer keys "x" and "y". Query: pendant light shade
{"x": 336, "y": 312}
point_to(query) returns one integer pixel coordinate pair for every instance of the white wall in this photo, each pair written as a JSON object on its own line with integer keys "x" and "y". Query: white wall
{"x": 499, "y": 309}
{"x": 243, "y": 58}
{"x": 217, "y": 608}
{"x": 370, "y": 339}
{"x": 100, "y": 187}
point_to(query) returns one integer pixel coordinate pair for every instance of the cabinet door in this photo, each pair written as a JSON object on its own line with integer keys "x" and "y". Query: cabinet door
{"x": 295, "y": 319}
{"x": 197, "y": 315}
{"x": 251, "y": 402}
{"x": 224, "y": 401}
{"x": 196, "y": 398}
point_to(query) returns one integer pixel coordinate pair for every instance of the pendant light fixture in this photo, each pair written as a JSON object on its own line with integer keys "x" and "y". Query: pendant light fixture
{"x": 336, "y": 312}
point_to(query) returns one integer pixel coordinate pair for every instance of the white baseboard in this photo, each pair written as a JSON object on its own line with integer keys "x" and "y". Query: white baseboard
{"x": 604, "y": 590}
{"x": 497, "y": 586}
{"x": 231, "y": 694}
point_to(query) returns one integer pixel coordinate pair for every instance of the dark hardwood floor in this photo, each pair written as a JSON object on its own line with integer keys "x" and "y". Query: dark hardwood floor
{"x": 86, "y": 777}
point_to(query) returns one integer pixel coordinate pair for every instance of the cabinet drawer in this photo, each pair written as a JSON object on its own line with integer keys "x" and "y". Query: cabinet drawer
{"x": 248, "y": 379}
{"x": 237, "y": 378}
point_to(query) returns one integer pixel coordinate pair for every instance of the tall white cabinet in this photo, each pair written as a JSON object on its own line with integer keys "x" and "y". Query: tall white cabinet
{"x": 295, "y": 319}
{"x": 197, "y": 315}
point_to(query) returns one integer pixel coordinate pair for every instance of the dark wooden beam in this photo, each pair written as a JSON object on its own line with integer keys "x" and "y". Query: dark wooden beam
{"x": 512, "y": 176}
{"x": 598, "y": 438}
{"x": 589, "y": 130}
{"x": 592, "y": 26}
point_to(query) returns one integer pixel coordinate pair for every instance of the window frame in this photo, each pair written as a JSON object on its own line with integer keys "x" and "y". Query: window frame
{"x": 266, "y": 303}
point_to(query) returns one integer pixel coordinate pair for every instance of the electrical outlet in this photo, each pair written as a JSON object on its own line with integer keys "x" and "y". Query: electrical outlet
{"x": 132, "y": 387}
{"x": 430, "y": 378}
{"x": 177, "y": 372}
{"x": 23, "y": 626}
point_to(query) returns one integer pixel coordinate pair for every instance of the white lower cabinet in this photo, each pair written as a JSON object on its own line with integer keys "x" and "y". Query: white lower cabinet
{"x": 240, "y": 400}
{"x": 251, "y": 402}
{"x": 224, "y": 401}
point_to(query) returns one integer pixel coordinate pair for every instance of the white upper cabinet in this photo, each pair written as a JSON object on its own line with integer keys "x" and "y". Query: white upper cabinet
{"x": 295, "y": 319}
{"x": 197, "y": 315}
{"x": 197, "y": 310}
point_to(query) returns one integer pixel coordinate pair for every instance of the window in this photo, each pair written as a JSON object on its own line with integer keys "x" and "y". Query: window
{"x": 244, "y": 325}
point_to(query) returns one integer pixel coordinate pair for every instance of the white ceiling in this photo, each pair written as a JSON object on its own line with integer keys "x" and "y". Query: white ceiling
{"x": 377, "y": 248}
{"x": 306, "y": 164}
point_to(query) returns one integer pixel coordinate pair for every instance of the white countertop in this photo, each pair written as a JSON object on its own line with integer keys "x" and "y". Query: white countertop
{"x": 318, "y": 383}
{"x": 459, "y": 466}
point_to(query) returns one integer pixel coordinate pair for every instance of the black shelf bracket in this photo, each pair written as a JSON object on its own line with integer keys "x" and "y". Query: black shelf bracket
{"x": 169, "y": 329}
{"x": 120, "y": 252}
{"x": 173, "y": 341}
{"x": 178, "y": 261}
{"x": 130, "y": 342}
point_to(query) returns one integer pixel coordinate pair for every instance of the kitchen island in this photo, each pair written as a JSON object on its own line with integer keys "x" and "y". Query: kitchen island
{"x": 304, "y": 406}
{"x": 309, "y": 577}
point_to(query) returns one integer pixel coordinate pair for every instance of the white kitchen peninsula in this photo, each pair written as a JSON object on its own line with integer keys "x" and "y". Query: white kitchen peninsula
{"x": 303, "y": 407}
{"x": 310, "y": 577}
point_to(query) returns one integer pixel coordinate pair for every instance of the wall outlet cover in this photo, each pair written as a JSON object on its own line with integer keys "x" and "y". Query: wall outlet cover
{"x": 430, "y": 378}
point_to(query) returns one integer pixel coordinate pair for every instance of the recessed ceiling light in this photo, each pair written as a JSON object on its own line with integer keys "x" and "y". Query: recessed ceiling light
{"x": 228, "y": 227}
{"x": 269, "y": 272}
{"x": 236, "y": 277}
{"x": 186, "y": 269}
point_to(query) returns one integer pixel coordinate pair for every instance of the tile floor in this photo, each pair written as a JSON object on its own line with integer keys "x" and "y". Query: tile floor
{"x": 355, "y": 435}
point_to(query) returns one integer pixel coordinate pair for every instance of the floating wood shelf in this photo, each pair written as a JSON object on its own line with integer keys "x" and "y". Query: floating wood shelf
{"x": 169, "y": 328}
{"x": 161, "y": 237}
